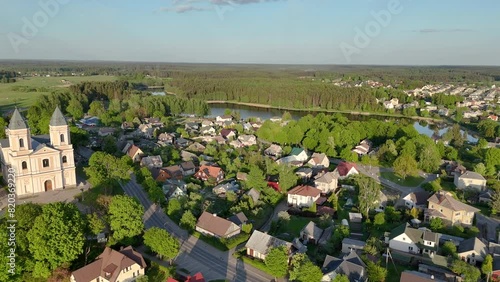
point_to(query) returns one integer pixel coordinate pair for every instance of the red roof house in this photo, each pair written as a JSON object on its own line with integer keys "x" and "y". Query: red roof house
{"x": 345, "y": 169}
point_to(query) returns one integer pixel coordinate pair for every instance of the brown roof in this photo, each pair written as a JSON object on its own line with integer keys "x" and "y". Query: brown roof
{"x": 447, "y": 201}
{"x": 225, "y": 132}
{"x": 305, "y": 190}
{"x": 214, "y": 224}
{"x": 110, "y": 262}
{"x": 212, "y": 171}
{"x": 132, "y": 151}
{"x": 415, "y": 276}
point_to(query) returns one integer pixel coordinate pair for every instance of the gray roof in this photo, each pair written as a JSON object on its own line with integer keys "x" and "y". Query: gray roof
{"x": 327, "y": 177}
{"x": 353, "y": 242}
{"x": 350, "y": 265}
{"x": 57, "y": 118}
{"x": 4, "y": 143}
{"x": 238, "y": 218}
{"x": 447, "y": 201}
{"x": 472, "y": 244}
{"x": 262, "y": 242}
{"x": 17, "y": 121}
{"x": 312, "y": 230}
{"x": 254, "y": 194}
{"x": 472, "y": 175}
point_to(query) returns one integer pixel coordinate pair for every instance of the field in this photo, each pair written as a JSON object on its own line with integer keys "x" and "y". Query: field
{"x": 39, "y": 86}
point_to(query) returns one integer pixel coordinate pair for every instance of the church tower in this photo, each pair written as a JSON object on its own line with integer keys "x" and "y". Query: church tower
{"x": 19, "y": 134}
{"x": 59, "y": 130}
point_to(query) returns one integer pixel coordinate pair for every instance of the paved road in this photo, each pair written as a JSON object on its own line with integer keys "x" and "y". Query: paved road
{"x": 195, "y": 255}
{"x": 374, "y": 172}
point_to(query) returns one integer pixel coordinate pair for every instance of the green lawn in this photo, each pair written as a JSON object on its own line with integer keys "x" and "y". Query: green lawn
{"x": 394, "y": 273}
{"x": 30, "y": 88}
{"x": 410, "y": 181}
{"x": 291, "y": 228}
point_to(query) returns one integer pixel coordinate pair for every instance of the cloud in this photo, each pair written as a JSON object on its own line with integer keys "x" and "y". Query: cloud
{"x": 180, "y": 9}
{"x": 434, "y": 30}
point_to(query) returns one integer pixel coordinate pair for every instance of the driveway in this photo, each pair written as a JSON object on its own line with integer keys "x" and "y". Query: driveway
{"x": 195, "y": 255}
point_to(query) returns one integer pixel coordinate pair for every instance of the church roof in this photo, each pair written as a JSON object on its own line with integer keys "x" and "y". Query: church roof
{"x": 57, "y": 118}
{"x": 17, "y": 121}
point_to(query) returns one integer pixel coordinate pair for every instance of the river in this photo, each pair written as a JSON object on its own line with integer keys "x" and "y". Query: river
{"x": 264, "y": 114}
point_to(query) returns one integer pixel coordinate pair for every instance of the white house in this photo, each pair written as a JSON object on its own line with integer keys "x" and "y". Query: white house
{"x": 303, "y": 196}
{"x": 247, "y": 140}
{"x": 260, "y": 243}
{"x": 223, "y": 118}
{"x": 472, "y": 250}
{"x": 207, "y": 130}
{"x": 470, "y": 180}
{"x": 415, "y": 200}
{"x": 410, "y": 240}
{"x": 299, "y": 154}
{"x": 327, "y": 182}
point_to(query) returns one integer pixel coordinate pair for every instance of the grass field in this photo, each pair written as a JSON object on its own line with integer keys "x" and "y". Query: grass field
{"x": 39, "y": 86}
{"x": 409, "y": 181}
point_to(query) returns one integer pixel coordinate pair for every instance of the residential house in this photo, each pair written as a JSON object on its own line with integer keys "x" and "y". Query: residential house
{"x": 236, "y": 144}
{"x": 303, "y": 196}
{"x": 299, "y": 154}
{"x": 181, "y": 142}
{"x": 188, "y": 156}
{"x": 206, "y": 172}
{"x": 319, "y": 161}
{"x": 242, "y": 176}
{"x": 238, "y": 219}
{"x": 228, "y": 123}
{"x": 196, "y": 147}
{"x": 112, "y": 266}
{"x": 105, "y": 131}
{"x": 189, "y": 126}
{"x": 228, "y": 133}
{"x": 415, "y": 200}
{"x": 327, "y": 182}
{"x": 311, "y": 233}
{"x": 388, "y": 105}
{"x": 152, "y": 161}
{"x": 127, "y": 125}
{"x": 166, "y": 138}
{"x": 275, "y": 119}
{"x": 349, "y": 265}
{"x": 222, "y": 189}
{"x": 188, "y": 168}
{"x": 134, "y": 152}
{"x": 90, "y": 121}
{"x": 416, "y": 276}
{"x": 472, "y": 250}
{"x": 247, "y": 140}
{"x": 254, "y": 194}
{"x": 174, "y": 172}
{"x": 153, "y": 121}
{"x": 443, "y": 205}
{"x": 470, "y": 180}
{"x": 453, "y": 168}
{"x": 212, "y": 225}
{"x": 260, "y": 243}
{"x": 355, "y": 217}
{"x": 207, "y": 130}
{"x": 352, "y": 245}
{"x": 410, "y": 240}
{"x": 305, "y": 173}
{"x": 493, "y": 117}
{"x": 274, "y": 151}
{"x": 207, "y": 122}
{"x": 224, "y": 118}
{"x": 325, "y": 237}
{"x": 363, "y": 148}
{"x": 485, "y": 197}
{"x": 146, "y": 130}
{"x": 345, "y": 170}
{"x": 173, "y": 188}
{"x": 495, "y": 274}
{"x": 159, "y": 174}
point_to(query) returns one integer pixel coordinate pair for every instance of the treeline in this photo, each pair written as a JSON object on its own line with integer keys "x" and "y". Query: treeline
{"x": 7, "y": 76}
{"x": 278, "y": 92}
{"x": 446, "y": 100}
{"x": 94, "y": 100}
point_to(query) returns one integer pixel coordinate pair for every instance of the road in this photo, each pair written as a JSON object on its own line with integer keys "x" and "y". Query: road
{"x": 374, "y": 172}
{"x": 195, "y": 255}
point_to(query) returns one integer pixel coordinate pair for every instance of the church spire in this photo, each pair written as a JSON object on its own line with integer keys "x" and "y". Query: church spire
{"x": 17, "y": 121}
{"x": 57, "y": 118}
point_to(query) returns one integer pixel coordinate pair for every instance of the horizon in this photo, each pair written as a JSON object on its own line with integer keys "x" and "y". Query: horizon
{"x": 254, "y": 32}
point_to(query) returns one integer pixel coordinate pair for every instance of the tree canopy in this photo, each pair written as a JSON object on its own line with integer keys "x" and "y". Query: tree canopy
{"x": 125, "y": 217}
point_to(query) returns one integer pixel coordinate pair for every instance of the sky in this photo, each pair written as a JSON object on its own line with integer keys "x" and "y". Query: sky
{"x": 380, "y": 32}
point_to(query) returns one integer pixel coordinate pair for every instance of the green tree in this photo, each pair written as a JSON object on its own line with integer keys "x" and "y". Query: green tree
{"x": 449, "y": 249}
{"x": 469, "y": 272}
{"x": 480, "y": 168}
{"x": 414, "y": 213}
{"x": 368, "y": 193}
{"x": 334, "y": 201}
{"x": 3, "y": 124}
{"x": 436, "y": 224}
{"x": 277, "y": 261}
{"x": 57, "y": 237}
{"x": 256, "y": 179}
{"x": 495, "y": 203}
{"x": 188, "y": 220}
{"x": 303, "y": 270}
{"x": 247, "y": 228}
{"x": 287, "y": 177}
{"x": 405, "y": 165}
{"x": 341, "y": 278}
{"x": 174, "y": 207}
{"x": 95, "y": 224}
{"x": 487, "y": 266}
{"x": 75, "y": 109}
{"x": 105, "y": 169}
{"x": 96, "y": 108}
{"x": 125, "y": 217}
{"x": 376, "y": 273}
{"x": 379, "y": 220}
{"x": 25, "y": 216}
{"x": 161, "y": 242}
{"x": 109, "y": 144}
{"x": 338, "y": 235}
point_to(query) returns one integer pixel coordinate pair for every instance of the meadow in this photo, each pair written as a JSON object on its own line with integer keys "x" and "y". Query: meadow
{"x": 26, "y": 90}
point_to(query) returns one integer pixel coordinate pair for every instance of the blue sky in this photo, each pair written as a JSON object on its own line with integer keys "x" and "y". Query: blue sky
{"x": 424, "y": 32}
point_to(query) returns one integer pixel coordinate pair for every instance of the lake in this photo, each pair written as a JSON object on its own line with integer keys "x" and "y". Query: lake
{"x": 264, "y": 114}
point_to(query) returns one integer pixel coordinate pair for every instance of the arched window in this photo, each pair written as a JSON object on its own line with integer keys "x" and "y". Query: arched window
{"x": 64, "y": 159}
{"x": 21, "y": 143}
{"x": 24, "y": 165}
{"x": 62, "y": 137}
{"x": 45, "y": 162}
